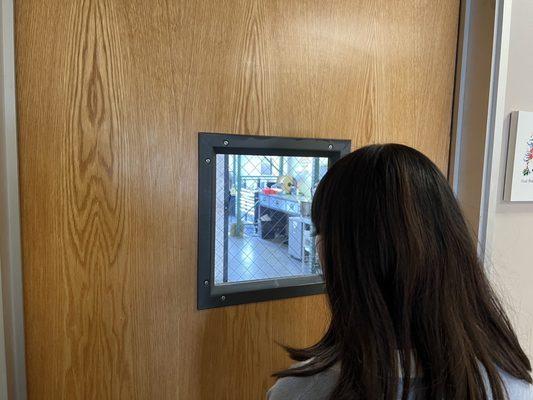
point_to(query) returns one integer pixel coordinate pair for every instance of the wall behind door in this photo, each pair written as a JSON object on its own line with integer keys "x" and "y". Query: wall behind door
{"x": 111, "y": 95}
{"x": 508, "y": 225}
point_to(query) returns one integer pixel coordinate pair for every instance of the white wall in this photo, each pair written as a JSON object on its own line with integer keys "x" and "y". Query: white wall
{"x": 12, "y": 363}
{"x": 509, "y": 226}
{"x": 3, "y": 223}
{"x": 3, "y": 362}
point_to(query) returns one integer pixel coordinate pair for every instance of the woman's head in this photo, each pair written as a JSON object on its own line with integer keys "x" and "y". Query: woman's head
{"x": 403, "y": 279}
{"x": 392, "y": 235}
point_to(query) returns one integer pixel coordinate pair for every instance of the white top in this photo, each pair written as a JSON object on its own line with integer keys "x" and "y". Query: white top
{"x": 320, "y": 386}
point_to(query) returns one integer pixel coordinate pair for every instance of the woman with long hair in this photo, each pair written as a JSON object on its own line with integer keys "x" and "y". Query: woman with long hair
{"x": 413, "y": 315}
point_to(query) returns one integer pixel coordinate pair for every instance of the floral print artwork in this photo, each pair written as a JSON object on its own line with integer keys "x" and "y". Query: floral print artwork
{"x": 528, "y": 157}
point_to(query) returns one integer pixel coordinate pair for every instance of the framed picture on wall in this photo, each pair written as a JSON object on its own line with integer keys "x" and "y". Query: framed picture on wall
{"x": 519, "y": 172}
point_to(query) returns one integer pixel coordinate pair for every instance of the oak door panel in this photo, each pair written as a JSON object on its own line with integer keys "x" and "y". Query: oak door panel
{"x": 111, "y": 95}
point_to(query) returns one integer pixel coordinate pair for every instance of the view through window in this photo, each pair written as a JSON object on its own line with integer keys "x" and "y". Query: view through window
{"x": 263, "y": 228}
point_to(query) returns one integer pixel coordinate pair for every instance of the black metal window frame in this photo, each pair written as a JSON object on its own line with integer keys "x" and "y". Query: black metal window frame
{"x": 210, "y": 295}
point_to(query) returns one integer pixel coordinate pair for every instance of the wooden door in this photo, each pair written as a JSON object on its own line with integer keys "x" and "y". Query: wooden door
{"x": 111, "y": 95}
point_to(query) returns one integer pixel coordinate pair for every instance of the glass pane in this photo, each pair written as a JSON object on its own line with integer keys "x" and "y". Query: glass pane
{"x": 263, "y": 228}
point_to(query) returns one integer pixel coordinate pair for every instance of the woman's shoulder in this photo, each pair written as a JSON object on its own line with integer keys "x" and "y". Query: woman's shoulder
{"x": 517, "y": 389}
{"x": 314, "y": 387}
{"x": 320, "y": 386}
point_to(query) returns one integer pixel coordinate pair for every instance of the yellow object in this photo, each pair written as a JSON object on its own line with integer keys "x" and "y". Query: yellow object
{"x": 286, "y": 183}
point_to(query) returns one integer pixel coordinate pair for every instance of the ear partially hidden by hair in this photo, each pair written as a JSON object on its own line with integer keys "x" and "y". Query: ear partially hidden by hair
{"x": 404, "y": 282}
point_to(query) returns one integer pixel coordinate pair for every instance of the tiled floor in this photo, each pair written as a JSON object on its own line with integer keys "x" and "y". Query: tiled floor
{"x": 253, "y": 258}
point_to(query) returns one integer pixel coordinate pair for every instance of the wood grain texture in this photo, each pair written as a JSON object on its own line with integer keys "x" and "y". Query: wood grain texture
{"x": 111, "y": 95}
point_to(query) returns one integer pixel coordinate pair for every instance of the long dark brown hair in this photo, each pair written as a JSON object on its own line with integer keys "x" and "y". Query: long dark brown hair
{"x": 404, "y": 282}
